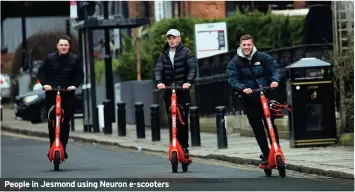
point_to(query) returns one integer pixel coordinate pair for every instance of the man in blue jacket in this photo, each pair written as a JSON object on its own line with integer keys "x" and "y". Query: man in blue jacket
{"x": 251, "y": 69}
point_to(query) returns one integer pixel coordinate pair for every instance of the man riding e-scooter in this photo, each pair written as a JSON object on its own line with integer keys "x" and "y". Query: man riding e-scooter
{"x": 251, "y": 69}
{"x": 176, "y": 64}
{"x": 64, "y": 69}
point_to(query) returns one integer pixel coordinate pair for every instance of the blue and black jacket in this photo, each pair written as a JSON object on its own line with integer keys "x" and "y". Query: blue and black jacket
{"x": 260, "y": 69}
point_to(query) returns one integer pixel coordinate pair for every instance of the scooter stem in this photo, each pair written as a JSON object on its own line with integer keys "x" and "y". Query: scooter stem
{"x": 268, "y": 120}
{"x": 173, "y": 115}
{"x": 58, "y": 117}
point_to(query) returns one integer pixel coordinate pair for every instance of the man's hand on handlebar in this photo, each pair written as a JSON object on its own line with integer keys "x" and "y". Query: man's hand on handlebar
{"x": 71, "y": 88}
{"x": 161, "y": 86}
{"x": 58, "y": 88}
{"x": 47, "y": 87}
{"x": 247, "y": 91}
{"x": 186, "y": 85}
{"x": 274, "y": 84}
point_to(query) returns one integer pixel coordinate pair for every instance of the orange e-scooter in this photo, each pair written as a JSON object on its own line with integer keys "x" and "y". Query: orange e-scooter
{"x": 56, "y": 152}
{"x": 276, "y": 159}
{"x": 176, "y": 153}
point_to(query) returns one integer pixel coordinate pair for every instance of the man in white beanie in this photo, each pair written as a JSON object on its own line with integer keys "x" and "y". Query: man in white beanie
{"x": 176, "y": 64}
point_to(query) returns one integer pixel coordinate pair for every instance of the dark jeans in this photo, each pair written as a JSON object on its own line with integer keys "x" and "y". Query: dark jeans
{"x": 68, "y": 105}
{"x": 255, "y": 114}
{"x": 183, "y": 99}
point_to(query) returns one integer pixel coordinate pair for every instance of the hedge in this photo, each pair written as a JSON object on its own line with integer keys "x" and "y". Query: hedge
{"x": 344, "y": 72}
{"x": 270, "y": 32}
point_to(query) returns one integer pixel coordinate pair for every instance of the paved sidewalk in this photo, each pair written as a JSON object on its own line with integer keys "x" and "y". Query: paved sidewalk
{"x": 337, "y": 161}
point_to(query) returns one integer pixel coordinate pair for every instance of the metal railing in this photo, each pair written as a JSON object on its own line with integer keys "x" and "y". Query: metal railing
{"x": 212, "y": 89}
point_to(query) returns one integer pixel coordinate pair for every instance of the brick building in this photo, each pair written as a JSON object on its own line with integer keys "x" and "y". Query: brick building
{"x": 158, "y": 10}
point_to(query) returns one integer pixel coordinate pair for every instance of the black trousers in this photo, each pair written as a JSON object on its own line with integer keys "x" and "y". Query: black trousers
{"x": 183, "y": 103}
{"x": 68, "y": 105}
{"x": 255, "y": 115}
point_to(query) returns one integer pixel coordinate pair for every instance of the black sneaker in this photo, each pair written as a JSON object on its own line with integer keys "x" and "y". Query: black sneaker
{"x": 186, "y": 152}
{"x": 65, "y": 152}
{"x": 264, "y": 161}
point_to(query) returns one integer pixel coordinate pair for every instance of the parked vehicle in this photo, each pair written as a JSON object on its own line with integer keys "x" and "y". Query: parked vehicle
{"x": 31, "y": 106}
{"x": 5, "y": 86}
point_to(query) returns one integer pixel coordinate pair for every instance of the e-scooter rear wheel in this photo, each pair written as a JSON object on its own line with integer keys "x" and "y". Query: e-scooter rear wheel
{"x": 281, "y": 166}
{"x": 174, "y": 162}
{"x": 56, "y": 161}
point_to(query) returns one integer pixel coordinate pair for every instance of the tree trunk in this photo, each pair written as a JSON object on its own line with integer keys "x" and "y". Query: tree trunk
{"x": 138, "y": 59}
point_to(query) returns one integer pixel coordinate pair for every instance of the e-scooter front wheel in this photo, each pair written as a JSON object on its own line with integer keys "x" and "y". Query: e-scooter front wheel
{"x": 174, "y": 162}
{"x": 281, "y": 166}
{"x": 56, "y": 161}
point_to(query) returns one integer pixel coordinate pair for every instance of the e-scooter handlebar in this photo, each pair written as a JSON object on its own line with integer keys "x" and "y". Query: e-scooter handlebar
{"x": 57, "y": 88}
{"x": 174, "y": 87}
{"x": 262, "y": 89}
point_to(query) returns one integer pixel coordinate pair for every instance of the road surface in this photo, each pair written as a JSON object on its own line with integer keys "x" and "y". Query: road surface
{"x": 26, "y": 157}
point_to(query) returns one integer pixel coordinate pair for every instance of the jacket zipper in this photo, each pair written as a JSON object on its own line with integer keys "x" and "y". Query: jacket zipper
{"x": 253, "y": 74}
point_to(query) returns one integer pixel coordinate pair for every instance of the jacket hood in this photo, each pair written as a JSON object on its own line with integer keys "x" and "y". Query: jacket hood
{"x": 240, "y": 53}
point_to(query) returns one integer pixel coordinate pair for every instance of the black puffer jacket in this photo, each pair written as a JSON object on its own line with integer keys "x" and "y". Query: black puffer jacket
{"x": 58, "y": 70}
{"x": 184, "y": 70}
{"x": 258, "y": 70}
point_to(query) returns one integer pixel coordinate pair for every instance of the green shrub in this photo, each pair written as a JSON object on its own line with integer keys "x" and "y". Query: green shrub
{"x": 270, "y": 31}
{"x": 344, "y": 72}
{"x": 126, "y": 63}
{"x": 157, "y": 33}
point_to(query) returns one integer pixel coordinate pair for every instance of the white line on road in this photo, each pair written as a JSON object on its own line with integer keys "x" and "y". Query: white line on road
{"x": 200, "y": 160}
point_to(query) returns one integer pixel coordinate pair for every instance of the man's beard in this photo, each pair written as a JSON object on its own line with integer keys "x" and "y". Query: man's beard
{"x": 247, "y": 54}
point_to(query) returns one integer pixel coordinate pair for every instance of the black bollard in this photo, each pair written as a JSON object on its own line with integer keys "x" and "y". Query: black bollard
{"x": 121, "y": 118}
{"x": 72, "y": 123}
{"x": 107, "y": 117}
{"x": 1, "y": 118}
{"x": 96, "y": 128}
{"x": 140, "y": 125}
{"x": 220, "y": 128}
{"x": 195, "y": 126}
{"x": 155, "y": 124}
{"x": 86, "y": 127}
